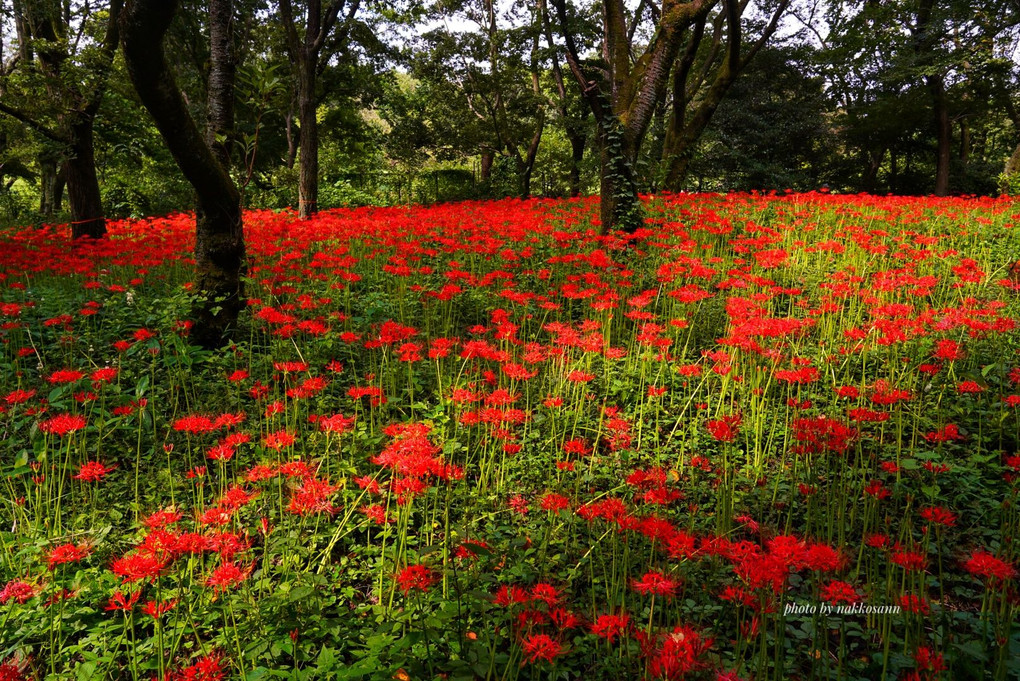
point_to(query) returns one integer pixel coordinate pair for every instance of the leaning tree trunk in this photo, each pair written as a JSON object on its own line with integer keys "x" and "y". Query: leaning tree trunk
{"x": 222, "y": 72}
{"x": 219, "y": 236}
{"x": 308, "y": 180}
{"x": 83, "y": 195}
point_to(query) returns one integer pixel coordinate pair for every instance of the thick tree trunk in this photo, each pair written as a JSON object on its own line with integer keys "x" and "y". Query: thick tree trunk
{"x": 577, "y": 144}
{"x": 620, "y": 207}
{"x": 83, "y": 194}
{"x": 219, "y": 236}
{"x": 943, "y": 133}
{"x": 222, "y": 72}
{"x": 308, "y": 181}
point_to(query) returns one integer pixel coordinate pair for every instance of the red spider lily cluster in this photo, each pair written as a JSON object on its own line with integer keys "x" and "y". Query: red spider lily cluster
{"x": 481, "y": 440}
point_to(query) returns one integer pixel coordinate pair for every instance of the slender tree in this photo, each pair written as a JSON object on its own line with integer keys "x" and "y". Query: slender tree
{"x": 308, "y": 57}
{"x": 219, "y": 234}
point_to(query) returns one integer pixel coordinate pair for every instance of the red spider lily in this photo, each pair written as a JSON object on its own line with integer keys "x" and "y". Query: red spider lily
{"x": 226, "y": 576}
{"x": 161, "y": 519}
{"x": 540, "y": 647}
{"x": 17, "y": 591}
{"x": 416, "y": 578}
{"x": 679, "y": 653}
{"x": 987, "y": 567}
{"x": 93, "y": 471}
{"x": 67, "y": 553}
{"x": 104, "y": 375}
{"x": 121, "y": 602}
{"x": 278, "y": 440}
{"x": 554, "y": 502}
{"x": 207, "y": 668}
{"x": 156, "y": 609}
{"x": 939, "y": 515}
{"x": 655, "y": 583}
{"x": 915, "y": 604}
{"x": 909, "y": 560}
{"x": 836, "y": 591}
{"x": 19, "y": 396}
{"x": 610, "y": 627}
{"x": 138, "y": 566}
{"x": 377, "y": 514}
{"x": 546, "y": 593}
{"x": 65, "y": 376}
{"x": 313, "y": 496}
{"x": 336, "y": 424}
{"x": 724, "y": 429}
{"x": 62, "y": 424}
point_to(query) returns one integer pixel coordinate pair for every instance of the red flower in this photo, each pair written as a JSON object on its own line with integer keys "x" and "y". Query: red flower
{"x": 541, "y": 647}
{"x": 156, "y": 609}
{"x": 939, "y": 515}
{"x": 416, "y": 578}
{"x": 836, "y": 591}
{"x": 207, "y": 668}
{"x": 17, "y": 591}
{"x": 278, "y": 440}
{"x": 226, "y": 576}
{"x": 656, "y": 584}
{"x": 137, "y": 566}
{"x": 984, "y": 565}
{"x": 66, "y": 553}
{"x": 93, "y": 471}
{"x": 62, "y": 424}
{"x": 610, "y": 626}
{"x": 121, "y": 602}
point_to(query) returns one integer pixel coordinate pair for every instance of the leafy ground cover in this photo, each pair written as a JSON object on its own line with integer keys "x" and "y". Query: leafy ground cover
{"x": 773, "y": 438}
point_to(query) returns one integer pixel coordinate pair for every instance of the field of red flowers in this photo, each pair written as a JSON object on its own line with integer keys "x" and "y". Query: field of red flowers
{"x": 769, "y": 437}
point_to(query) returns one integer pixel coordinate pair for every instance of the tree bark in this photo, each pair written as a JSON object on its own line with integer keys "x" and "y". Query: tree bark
{"x": 488, "y": 157}
{"x": 578, "y": 142}
{"x": 83, "y": 194}
{"x": 47, "y": 186}
{"x": 222, "y": 72}
{"x": 308, "y": 140}
{"x": 219, "y": 235}
{"x": 943, "y": 134}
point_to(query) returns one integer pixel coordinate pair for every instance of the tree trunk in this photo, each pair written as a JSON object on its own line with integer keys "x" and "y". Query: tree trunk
{"x": 966, "y": 141}
{"x": 58, "y": 189}
{"x": 620, "y": 207}
{"x": 219, "y": 236}
{"x": 488, "y": 157}
{"x": 682, "y": 135}
{"x": 870, "y": 177}
{"x": 577, "y": 145}
{"x": 47, "y": 186}
{"x": 83, "y": 194}
{"x": 222, "y": 72}
{"x": 943, "y": 132}
{"x": 291, "y": 143}
{"x": 308, "y": 181}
